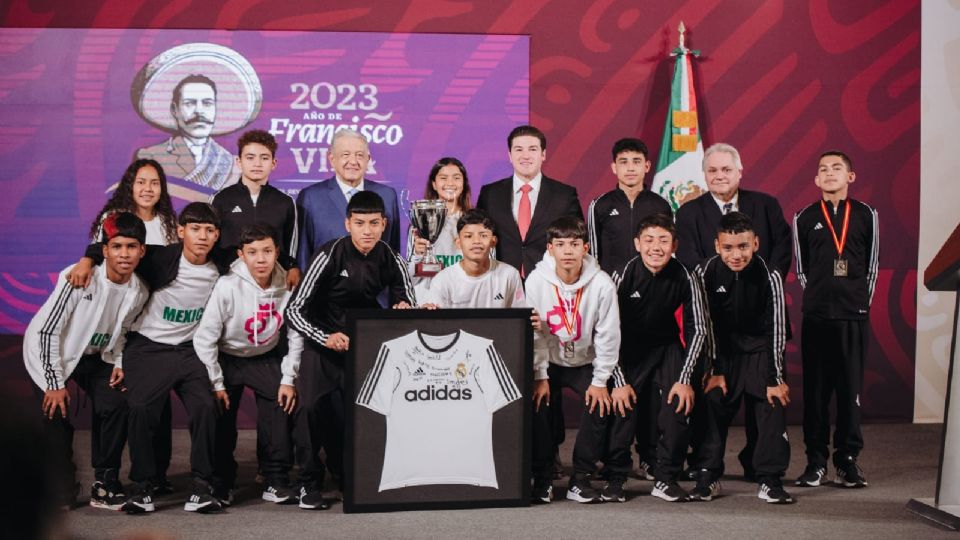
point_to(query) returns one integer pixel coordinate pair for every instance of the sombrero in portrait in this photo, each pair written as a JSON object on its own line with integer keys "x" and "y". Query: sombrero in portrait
{"x": 238, "y": 88}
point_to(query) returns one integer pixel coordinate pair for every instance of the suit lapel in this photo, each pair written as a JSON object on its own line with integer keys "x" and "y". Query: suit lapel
{"x": 711, "y": 212}
{"x": 503, "y": 203}
{"x": 541, "y": 212}
{"x": 336, "y": 197}
{"x": 745, "y": 204}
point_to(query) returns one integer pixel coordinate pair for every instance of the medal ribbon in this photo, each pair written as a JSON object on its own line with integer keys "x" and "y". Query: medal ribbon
{"x": 569, "y": 325}
{"x": 842, "y": 241}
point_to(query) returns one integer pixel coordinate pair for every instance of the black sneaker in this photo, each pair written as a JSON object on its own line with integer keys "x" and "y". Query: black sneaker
{"x": 581, "y": 491}
{"x": 107, "y": 495}
{"x": 312, "y": 499}
{"x": 203, "y": 501}
{"x": 850, "y": 475}
{"x": 224, "y": 496}
{"x": 812, "y": 476}
{"x": 645, "y": 471}
{"x": 542, "y": 492}
{"x": 774, "y": 494}
{"x": 706, "y": 490}
{"x": 613, "y": 491}
{"x": 278, "y": 492}
{"x": 670, "y": 492}
{"x": 140, "y": 502}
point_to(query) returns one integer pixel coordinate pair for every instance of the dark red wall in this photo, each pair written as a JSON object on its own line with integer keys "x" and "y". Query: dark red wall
{"x": 781, "y": 80}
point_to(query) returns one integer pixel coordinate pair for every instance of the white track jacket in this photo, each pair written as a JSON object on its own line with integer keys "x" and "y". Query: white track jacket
{"x": 62, "y": 330}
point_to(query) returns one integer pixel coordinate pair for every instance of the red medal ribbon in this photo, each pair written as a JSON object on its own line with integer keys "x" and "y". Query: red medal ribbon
{"x": 563, "y": 311}
{"x": 842, "y": 241}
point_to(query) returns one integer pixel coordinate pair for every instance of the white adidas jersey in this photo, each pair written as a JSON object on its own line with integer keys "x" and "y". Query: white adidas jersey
{"x": 439, "y": 394}
{"x": 498, "y": 287}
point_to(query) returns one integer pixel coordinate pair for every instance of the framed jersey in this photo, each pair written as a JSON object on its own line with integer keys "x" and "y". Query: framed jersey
{"x": 438, "y": 409}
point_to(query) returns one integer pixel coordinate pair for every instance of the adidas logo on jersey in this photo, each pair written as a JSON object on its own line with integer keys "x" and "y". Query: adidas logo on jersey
{"x": 636, "y": 294}
{"x": 722, "y": 289}
{"x": 432, "y": 393}
{"x": 499, "y": 296}
{"x": 614, "y": 212}
{"x": 343, "y": 273}
{"x": 235, "y": 210}
{"x": 88, "y": 296}
{"x": 818, "y": 226}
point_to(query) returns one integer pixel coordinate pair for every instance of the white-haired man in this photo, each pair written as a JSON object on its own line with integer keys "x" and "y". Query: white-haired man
{"x": 324, "y": 204}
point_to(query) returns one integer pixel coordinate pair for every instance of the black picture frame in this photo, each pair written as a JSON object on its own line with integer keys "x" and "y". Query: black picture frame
{"x": 366, "y": 431}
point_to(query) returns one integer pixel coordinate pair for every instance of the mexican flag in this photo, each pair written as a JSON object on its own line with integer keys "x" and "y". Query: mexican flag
{"x": 679, "y": 175}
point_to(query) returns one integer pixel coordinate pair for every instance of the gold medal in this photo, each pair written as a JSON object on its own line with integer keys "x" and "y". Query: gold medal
{"x": 840, "y": 267}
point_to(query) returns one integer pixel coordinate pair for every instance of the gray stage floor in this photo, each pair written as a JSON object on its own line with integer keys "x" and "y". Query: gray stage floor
{"x": 900, "y": 463}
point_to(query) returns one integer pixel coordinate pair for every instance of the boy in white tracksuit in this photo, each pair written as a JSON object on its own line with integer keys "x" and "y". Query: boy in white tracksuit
{"x": 577, "y": 347}
{"x": 237, "y": 340}
{"x": 78, "y": 335}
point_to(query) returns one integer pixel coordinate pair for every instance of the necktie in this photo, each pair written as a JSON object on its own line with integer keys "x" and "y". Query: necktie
{"x": 351, "y": 193}
{"x": 727, "y": 208}
{"x": 523, "y": 211}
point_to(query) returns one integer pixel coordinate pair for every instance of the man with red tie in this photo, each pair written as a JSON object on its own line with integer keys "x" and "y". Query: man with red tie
{"x": 522, "y": 206}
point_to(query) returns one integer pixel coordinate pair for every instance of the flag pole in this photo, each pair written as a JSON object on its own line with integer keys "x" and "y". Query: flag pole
{"x": 679, "y": 176}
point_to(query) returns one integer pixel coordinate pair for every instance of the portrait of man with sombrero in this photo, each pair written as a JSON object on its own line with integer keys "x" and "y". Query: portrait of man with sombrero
{"x": 195, "y": 92}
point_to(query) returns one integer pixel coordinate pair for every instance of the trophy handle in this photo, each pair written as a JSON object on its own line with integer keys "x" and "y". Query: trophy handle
{"x": 405, "y": 201}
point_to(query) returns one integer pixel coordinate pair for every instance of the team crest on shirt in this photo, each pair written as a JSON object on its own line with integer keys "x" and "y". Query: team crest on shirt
{"x": 460, "y": 372}
{"x": 265, "y": 324}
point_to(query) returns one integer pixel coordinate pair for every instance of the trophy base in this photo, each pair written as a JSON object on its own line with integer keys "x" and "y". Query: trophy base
{"x": 423, "y": 269}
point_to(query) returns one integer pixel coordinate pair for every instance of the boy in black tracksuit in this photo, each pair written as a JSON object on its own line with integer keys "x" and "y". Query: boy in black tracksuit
{"x": 696, "y": 231}
{"x": 654, "y": 366}
{"x": 253, "y": 200}
{"x": 612, "y": 221}
{"x": 837, "y": 242}
{"x": 748, "y": 338}
{"x": 612, "y": 218}
{"x": 159, "y": 357}
{"x": 346, "y": 273}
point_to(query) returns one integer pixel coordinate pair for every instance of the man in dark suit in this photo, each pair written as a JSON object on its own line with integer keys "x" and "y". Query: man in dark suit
{"x": 324, "y": 205}
{"x": 698, "y": 219}
{"x": 524, "y": 205}
{"x": 697, "y": 223}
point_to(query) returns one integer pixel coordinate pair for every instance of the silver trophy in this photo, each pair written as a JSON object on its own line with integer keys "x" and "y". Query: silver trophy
{"x": 427, "y": 217}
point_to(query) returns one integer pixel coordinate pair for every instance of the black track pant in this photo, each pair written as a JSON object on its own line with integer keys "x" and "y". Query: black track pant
{"x": 699, "y": 424}
{"x": 163, "y": 440}
{"x": 274, "y": 445}
{"x": 589, "y": 447}
{"x": 151, "y": 371}
{"x": 833, "y": 355}
{"x": 651, "y": 373}
{"x": 746, "y": 381}
{"x": 320, "y": 415}
{"x": 108, "y": 431}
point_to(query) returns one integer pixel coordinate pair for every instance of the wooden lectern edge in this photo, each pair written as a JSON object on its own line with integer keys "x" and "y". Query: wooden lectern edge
{"x": 943, "y": 272}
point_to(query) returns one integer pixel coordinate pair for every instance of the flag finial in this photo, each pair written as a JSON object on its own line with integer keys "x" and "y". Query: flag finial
{"x": 681, "y": 29}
